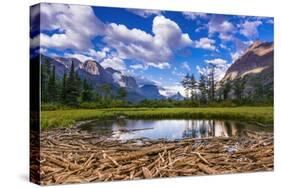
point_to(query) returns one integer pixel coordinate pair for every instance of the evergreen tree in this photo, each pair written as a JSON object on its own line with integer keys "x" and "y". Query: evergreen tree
{"x": 71, "y": 88}
{"x": 226, "y": 90}
{"x": 209, "y": 95}
{"x": 78, "y": 83}
{"x": 87, "y": 93}
{"x": 193, "y": 87}
{"x": 212, "y": 81}
{"x": 63, "y": 88}
{"x": 190, "y": 86}
{"x": 52, "y": 89}
{"x": 106, "y": 90}
{"x": 96, "y": 96}
{"x": 45, "y": 73}
{"x": 202, "y": 86}
{"x": 239, "y": 85}
{"x": 121, "y": 93}
{"x": 186, "y": 83}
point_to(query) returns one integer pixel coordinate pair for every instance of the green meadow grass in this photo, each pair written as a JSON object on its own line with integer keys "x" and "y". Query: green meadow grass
{"x": 67, "y": 118}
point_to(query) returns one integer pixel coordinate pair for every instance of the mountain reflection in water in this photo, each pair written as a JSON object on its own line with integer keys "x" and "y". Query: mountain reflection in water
{"x": 125, "y": 129}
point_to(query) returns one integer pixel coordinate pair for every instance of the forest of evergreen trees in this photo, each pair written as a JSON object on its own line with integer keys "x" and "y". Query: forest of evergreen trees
{"x": 208, "y": 90}
{"x": 71, "y": 91}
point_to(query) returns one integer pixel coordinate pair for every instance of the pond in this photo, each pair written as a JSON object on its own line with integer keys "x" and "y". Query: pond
{"x": 127, "y": 129}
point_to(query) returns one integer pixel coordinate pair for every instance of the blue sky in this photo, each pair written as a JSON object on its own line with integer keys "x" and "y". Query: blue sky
{"x": 161, "y": 46}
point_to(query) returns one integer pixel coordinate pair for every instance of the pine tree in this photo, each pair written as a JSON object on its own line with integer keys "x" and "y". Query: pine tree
{"x": 202, "y": 86}
{"x": 226, "y": 90}
{"x": 239, "y": 85}
{"x": 45, "y": 73}
{"x": 106, "y": 90}
{"x": 78, "y": 83}
{"x": 63, "y": 88}
{"x": 52, "y": 87}
{"x": 71, "y": 88}
{"x": 193, "y": 87}
{"x": 96, "y": 96}
{"x": 87, "y": 92}
{"x": 121, "y": 93}
{"x": 212, "y": 81}
{"x": 186, "y": 83}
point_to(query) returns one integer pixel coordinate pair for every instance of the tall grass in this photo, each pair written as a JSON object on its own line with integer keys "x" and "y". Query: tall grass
{"x": 67, "y": 118}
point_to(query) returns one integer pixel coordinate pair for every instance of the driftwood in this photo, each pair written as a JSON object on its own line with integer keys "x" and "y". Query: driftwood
{"x": 73, "y": 156}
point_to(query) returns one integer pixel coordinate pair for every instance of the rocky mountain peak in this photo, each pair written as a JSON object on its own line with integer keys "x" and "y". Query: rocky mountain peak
{"x": 256, "y": 58}
{"x": 67, "y": 61}
{"x": 92, "y": 67}
{"x": 151, "y": 92}
{"x": 254, "y": 69}
{"x": 261, "y": 48}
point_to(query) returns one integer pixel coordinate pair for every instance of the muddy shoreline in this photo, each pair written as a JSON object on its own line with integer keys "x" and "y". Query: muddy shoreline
{"x": 75, "y": 156}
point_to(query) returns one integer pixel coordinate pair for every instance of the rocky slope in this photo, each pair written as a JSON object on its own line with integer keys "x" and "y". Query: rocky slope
{"x": 254, "y": 68}
{"x": 151, "y": 92}
{"x": 258, "y": 57}
{"x": 96, "y": 75}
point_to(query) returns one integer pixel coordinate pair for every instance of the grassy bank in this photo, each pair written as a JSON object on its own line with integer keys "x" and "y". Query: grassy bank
{"x": 67, "y": 118}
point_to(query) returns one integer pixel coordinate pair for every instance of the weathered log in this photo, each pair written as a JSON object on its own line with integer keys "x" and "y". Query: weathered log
{"x": 65, "y": 160}
{"x": 146, "y": 173}
{"x": 200, "y": 156}
{"x": 138, "y": 154}
{"x": 61, "y": 162}
{"x": 206, "y": 169}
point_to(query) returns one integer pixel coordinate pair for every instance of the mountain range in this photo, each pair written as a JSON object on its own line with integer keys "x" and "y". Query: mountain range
{"x": 255, "y": 67}
{"x": 97, "y": 75}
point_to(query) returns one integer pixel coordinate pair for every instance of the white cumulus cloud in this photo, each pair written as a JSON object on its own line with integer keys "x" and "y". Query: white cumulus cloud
{"x": 145, "y": 47}
{"x": 162, "y": 65}
{"x": 185, "y": 65}
{"x": 250, "y": 29}
{"x": 194, "y": 15}
{"x": 80, "y": 57}
{"x": 99, "y": 55}
{"x": 74, "y": 24}
{"x": 218, "y": 24}
{"x": 144, "y": 12}
{"x": 144, "y": 66}
{"x": 115, "y": 63}
{"x": 138, "y": 66}
{"x": 205, "y": 43}
{"x": 171, "y": 90}
{"x": 221, "y": 67}
{"x": 217, "y": 61}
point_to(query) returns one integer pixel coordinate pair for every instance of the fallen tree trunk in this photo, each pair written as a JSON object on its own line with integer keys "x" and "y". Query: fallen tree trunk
{"x": 66, "y": 159}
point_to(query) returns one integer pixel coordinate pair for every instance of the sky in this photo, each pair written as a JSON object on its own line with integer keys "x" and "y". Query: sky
{"x": 151, "y": 45}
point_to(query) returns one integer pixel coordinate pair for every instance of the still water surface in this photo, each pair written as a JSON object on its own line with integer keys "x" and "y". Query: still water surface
{"x": 126, "y": 129}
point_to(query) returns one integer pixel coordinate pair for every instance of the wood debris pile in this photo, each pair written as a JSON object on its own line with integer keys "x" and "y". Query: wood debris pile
{"x": 73, "y": 156}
